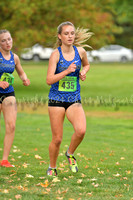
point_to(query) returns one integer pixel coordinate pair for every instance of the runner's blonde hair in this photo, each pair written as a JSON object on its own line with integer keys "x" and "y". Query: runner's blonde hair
{"x": 81, "y": 35}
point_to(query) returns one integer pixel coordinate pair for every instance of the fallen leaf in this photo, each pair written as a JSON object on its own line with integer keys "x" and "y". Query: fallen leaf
{"x": 61, "y": 169}
{"x": 93, "y": 179}
{"x": 70, "y": 176}
{"x": 101, "y": 172}
{"x": 25, "y": 165}
{"x": 18, "y": 196}
{"x": 16, "y": 150}
{"x": 41, "y": 177}
{"x": 86, "y": 166}
{"x": 117, "y": 163}
{"x": 89, "y": 193}
{"x": 122, "y": 158}
{"x": 128, "y": 172}
{"x": 29, "y": 176}
{"x": 79, "y": 181}
{"x": 38, "y": 157}
{"x": 65, "y": 179}
{"x": 116, "y": 175}
{"x": 19, "y": 156}
{"x": 55, "y": 180}
{"x": 125, "y": 178}
{"x": 83, "y": 175}
{"x": 5, "y": 191}
{"x": 96, "y": 185}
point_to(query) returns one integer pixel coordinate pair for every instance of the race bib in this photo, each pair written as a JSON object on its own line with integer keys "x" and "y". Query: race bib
{"x": 68, "y": 84}
{"x": 8, "y": 78}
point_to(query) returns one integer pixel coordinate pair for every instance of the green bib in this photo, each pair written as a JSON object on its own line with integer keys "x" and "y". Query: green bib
{"x": 8, "y": 78}
{"x": 68, "y": 84}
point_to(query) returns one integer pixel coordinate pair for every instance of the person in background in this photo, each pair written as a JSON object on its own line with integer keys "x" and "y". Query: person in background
{"x": 8, "y": 63}
{"x": 64, "y": 72}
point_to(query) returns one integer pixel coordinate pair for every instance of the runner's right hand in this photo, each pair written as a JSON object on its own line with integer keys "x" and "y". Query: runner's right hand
{"x": 71, "y": 68}
{"x": 4, "y": 84}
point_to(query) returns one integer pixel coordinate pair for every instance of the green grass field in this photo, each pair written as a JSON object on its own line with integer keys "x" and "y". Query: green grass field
{"x": 104, "y": 157}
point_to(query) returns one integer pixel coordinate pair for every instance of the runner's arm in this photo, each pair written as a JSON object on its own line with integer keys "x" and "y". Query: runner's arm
{"x": 20, "y": 71}
{"x": 51, "y": 76}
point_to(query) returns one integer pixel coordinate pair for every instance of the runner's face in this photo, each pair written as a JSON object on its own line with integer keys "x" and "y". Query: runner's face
{"x": 67, "y": 35}
{"x": 6, "y": 41}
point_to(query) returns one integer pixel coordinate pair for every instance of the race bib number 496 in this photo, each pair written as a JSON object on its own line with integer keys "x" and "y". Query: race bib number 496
{"x": 68, "y": 84}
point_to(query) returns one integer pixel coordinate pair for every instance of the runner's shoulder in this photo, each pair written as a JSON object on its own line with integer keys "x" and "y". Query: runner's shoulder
{"x": 55, "y": 55}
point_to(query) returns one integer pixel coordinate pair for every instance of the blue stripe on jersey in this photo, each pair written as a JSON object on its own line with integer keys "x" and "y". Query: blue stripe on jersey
{"x": 7, "y": 66}
{"x": 62, "y": 65}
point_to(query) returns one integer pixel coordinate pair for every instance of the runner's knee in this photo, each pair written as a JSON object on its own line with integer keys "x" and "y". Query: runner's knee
{"x": 57, "y": 141}
{"x": 10, "y": 127}
{"x": 81, "y": 132}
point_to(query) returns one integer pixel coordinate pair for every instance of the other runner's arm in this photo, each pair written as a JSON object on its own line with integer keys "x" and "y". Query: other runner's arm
{"x": 51, "y": 76}
{"x": 20, "y": 71}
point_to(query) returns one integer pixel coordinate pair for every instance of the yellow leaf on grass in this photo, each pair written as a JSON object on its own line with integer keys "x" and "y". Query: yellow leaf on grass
{"x": 93, "y": 179}
{"x": 117, "y": 163}
{"x": 29, "y": 176}
{"x": 65, "y": 179}
{"x": 16, "y": 150}
{"x": 125, "y": 178}
{"x": 79, "y": 181}
{"x": 116, "y": 175}
{"x": 38, "y": 157}
{"x": 89, "y": 194}
{"x": 61, "y": 169}
{"x": 83, "y": 175}
{"x": 128, "y": 172}
{"x": 55, "y": 180}
{"x": 101, "y": 172}
{"x": 41, "y": 177}
{"x": 18, "y": 196}
{"x": 122, "y": 158}
{"x": 70, "y": 176}
{"x": 86, "y": 166}
{"x": 25, "y": 165}
{"x": 96, "y": 185}
{"x": 5, "y": 191}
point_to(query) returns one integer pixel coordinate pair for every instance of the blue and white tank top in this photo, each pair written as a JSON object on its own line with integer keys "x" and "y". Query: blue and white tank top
{"x": 68, "y": 88}
{"x": 7, "y": 66}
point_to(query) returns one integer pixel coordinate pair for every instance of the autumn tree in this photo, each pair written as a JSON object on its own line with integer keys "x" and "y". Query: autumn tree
{"x": 31, "y": 21}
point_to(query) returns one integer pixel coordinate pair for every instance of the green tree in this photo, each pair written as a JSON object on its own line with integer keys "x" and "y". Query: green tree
{"x": 124, "y": 18}
{"x": 32, "y": 21}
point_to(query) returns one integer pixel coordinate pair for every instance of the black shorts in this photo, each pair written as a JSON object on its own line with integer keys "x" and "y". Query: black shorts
{"x": 4, "y": 95}
{"x": 61, "y": 104}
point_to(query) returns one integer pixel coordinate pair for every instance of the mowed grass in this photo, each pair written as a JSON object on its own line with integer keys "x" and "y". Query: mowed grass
{"x": 104, "y": 157}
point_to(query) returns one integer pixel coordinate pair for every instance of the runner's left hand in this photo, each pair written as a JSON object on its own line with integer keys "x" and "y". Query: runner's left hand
{"x": 82, "y": 75}
{"x": 26, "y": 82}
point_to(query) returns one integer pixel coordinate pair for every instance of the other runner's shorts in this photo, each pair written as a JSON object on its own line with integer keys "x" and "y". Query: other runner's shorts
{"x": 4, "y": 95}
{"x": 61, "y": 104}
